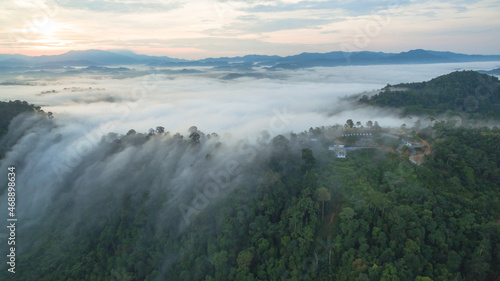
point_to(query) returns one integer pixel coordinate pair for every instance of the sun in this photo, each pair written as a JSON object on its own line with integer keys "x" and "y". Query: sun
{"x": 43, "y": 34}
{"x": 44, "y": 27}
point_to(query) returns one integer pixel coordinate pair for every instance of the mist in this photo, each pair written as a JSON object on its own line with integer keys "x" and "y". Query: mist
{"x": 82, "y": 165}
{"x": 242, "y": 106}
{"x": 62, "y": 178}
{"x": 87, "y": 109}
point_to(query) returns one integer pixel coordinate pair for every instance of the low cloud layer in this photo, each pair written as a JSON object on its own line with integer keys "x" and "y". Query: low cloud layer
{"x": 242, "y": 106}
{"x": 71, "y": 170}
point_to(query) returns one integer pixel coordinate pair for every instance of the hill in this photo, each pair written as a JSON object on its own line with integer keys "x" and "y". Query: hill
{"x": 10, "y": 110}
{"x": 298, "y": 213}
{"x": 303, "y": 60}
{"x": 469, "y": 92}
{"x": 491, "y": 72}
{"x": 85, "y": 58}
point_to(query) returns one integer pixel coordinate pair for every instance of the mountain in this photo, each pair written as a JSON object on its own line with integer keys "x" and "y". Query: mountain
{"x": 85, "y": 58}
{"x": 418, "y": 56}
{"x": 94, "y": 56}
{"x": 284, "y": 209}
{"x": 13, "y": 56}
{"x": 243, "y": 59}
{"x": 10, "y": 110}
{"x": 145, "y": 58}
{"x": 14, "y": 62}
{"x": 376, "y": 58}
{"x": 491, "y": 72}
{"x": 335, "y": 57}
{"x": 464, "y": 58}
{"x": 303, "y": 60}
{"x": 465, "y": 92}
{"x": 94, "y": 70}
{"x": 55, "y": 64}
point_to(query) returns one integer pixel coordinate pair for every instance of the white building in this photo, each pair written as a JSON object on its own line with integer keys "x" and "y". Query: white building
{"x": 339, "y": 150}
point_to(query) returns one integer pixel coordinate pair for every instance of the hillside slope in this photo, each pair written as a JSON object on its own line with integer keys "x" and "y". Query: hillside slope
{"x": 470, "y": 92}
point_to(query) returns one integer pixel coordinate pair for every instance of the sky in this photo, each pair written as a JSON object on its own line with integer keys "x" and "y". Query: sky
{"x": 213, "y": 28}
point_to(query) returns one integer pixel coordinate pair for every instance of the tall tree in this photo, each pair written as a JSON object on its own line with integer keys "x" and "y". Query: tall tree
{"x": 322, "y": 195}
{"x": 308, "y": 157}
{"x": 349, "y": 123}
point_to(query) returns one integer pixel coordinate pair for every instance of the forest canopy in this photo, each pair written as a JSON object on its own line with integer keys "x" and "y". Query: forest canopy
{"x": 461, "y": 92}
{"x": 301, "y": 214}
{"x": 10, "y": 110}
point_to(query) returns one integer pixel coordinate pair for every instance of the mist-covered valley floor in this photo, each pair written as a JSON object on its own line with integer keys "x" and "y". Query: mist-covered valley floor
{"x": 244, "y": 106}
{"x": 194, "y": 176}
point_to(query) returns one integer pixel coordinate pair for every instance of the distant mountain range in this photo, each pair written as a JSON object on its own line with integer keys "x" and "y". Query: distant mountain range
{"x": 85, "y": 58}
{"x": 125, "y": 57}
{"x": 491, "y": 72}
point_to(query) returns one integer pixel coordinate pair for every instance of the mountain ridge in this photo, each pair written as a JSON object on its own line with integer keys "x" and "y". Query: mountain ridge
{"x": 302, "y": 60}
{"x": 460, "y": 92}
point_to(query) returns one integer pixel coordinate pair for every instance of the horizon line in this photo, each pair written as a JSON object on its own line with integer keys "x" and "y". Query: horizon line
{"x": 248, "y": 54}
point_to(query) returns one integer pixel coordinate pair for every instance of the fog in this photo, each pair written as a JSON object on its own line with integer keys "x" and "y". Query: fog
{"x": 66, "y": 179}
{"x": 70, "y": 169}
{"x": 242, "y": 106}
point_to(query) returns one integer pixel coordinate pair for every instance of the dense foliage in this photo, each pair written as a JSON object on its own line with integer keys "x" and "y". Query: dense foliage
{"x": 306, "y": 216}
{"x": 10, "y": 110}
{"x": 466, "y": 92}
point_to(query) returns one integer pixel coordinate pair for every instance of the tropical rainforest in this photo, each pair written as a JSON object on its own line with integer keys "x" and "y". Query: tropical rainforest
{"x": 284, "y": 209}
{"x": 461, "y": 92}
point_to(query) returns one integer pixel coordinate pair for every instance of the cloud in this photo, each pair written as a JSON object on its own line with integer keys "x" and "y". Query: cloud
{"x": 192, "y": 29}
{"x": 127, "y": 6}
{"x": 290, "y": 26}
{"x": 242, "y": 106}
{"x": 349, "y": 8}
{"x": 256, "y": 25}
{"x": 68, "y": 172}
{"x": 71, "y": 170}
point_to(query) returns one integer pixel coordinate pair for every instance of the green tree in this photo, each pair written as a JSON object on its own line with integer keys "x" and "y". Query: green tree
{"x": 322, "y": 195}
{"x": 308, "y": 157}
{"x": 349, "y": 123}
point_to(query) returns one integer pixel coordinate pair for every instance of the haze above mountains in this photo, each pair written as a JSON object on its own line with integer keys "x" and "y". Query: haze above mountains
{"x": 126, "y": 57}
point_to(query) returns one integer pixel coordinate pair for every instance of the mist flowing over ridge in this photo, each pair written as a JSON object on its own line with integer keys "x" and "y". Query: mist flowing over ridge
{"x": 212, "y": 172}
{"x": 229, "y": 140}
{"x": 143, "y": 204}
